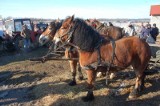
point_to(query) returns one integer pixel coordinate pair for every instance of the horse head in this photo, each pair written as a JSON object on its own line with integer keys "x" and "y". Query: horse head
{"x": 49, "y": 33}
{"x": 64, "y": 30}
{"x": 94, "y": 23}
{"x": 77, "y": 33}
{"x": 97, "y": 24}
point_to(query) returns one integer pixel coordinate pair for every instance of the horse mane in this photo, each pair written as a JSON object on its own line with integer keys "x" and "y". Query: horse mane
{"x": 58, "y": 25}
{"x": 55, "y": 23}
{"x": 84, "y": 36}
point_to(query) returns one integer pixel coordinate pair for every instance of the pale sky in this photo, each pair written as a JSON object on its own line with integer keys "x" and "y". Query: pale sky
{"x": 80, "y": 8}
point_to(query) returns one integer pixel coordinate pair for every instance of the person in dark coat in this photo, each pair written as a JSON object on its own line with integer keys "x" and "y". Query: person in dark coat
{"x": 154, "y": 32}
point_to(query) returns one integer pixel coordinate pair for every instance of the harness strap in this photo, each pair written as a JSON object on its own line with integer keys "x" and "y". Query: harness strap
{"x": 98, "y": 51}
{"x": 100, "y": 27}
{"x": 99, "y": 56}
{"x": 99, "y": 63}
{"x": 113, "y": 54}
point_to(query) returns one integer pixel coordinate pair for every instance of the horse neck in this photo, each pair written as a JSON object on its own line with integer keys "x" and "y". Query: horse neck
{"x": 113, "y": 32}
{"x": 104, "y": 31}
{"x": 86, "y": 44}
{"x": 106, "y": 51}
{"x": 90, "y": 57}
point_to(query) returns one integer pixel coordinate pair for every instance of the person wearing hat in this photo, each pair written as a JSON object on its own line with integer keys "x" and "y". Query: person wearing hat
{"x": 130, "y": 30}
{"x": 26, "y": 34}
{"x": 154, "y": 32}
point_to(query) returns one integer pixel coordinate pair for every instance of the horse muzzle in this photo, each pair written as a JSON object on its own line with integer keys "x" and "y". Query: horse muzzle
{"x": 43, "y": 39}
{"x": 56, "y": 40}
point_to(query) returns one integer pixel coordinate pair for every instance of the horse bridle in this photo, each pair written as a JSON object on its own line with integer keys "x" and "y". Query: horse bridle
{"x": 70, "y": 35}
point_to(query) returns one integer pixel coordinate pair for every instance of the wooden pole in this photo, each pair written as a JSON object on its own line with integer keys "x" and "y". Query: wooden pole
{"x": 51, "y": 58}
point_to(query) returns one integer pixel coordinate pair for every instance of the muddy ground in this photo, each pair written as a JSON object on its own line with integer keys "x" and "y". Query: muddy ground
{"x": 28, "y": 83}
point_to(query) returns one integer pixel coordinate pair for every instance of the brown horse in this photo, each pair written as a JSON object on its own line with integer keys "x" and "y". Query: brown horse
{"x": 112, "y": 32}
{"x": 48, "y": 35}
{"x": 128, "y": 51}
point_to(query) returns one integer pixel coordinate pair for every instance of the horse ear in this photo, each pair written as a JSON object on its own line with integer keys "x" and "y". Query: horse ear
{"x": 72, "y": 18}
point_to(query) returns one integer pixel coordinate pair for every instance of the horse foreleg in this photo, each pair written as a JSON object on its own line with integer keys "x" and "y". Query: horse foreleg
{"x": 99, "y": 74}
{"x": 73, "y": 65}
{"x": 91, "y": 75}
{"x": 112, "y": 75}
{"x": 138, "y": 85}
{"x": 80, "y": 72}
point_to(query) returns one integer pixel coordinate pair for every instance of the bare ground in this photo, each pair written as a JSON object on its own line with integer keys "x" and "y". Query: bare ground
{"x": 28, "y": 83}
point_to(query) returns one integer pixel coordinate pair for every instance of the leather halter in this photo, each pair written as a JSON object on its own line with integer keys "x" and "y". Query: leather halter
{"x": 69, "y": 33}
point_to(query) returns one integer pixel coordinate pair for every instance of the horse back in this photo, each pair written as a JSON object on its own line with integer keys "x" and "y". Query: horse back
{"x": 128, "y": 50}
{"x": 134, "y": 45}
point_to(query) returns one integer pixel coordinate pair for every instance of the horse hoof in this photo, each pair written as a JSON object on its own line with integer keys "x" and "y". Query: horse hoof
{"x": 99, "y": 74}
{"x": 112, "y": 76}
{"x": 103, "y": 74}
{"x": 133, "y": 94}
{"x": 72, "y": 83}
{"x": 132, "y": 97}
{"x": 88, "y": 98}
{"x": 80, "y": 78}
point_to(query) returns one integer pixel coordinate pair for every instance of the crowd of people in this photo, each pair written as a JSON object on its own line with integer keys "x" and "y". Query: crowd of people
{"x": 149, "y": 33}
{"x": 30, "y": 37}
{"x": 146, "y": 32}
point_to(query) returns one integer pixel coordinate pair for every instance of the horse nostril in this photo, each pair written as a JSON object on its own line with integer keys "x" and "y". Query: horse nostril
{"x": 43, "y": 40}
